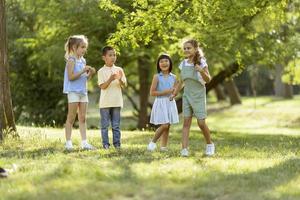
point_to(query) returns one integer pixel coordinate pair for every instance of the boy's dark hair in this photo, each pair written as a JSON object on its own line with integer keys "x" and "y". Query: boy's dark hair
{"x": 106, "y": 49}
{"x": 163, "y": 56}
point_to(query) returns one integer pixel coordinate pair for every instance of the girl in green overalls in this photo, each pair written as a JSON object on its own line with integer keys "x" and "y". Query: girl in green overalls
{"x": 194, "y": 74}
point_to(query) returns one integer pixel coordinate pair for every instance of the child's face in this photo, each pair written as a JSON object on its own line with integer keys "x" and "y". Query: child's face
{"x": 81, "y": 50}
{"x": 189, "y": 50}
{"x": 164, "y": 64}
{"x": 110, "y": 57}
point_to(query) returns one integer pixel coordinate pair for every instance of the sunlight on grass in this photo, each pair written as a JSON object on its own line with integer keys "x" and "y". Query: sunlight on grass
{"x": 257, "y": 158}
{"x": 292, "y": 188}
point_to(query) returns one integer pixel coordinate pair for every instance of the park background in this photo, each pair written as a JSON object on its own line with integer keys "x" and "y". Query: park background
{"x": 252, "y": 48}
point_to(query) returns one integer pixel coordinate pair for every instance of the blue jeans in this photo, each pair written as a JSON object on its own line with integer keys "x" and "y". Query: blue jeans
{"x": 112, "y": 115}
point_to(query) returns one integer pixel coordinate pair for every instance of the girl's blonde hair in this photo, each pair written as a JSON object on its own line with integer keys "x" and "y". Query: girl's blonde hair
{"x": 74, "y": 41}
{"x": 199, "y": 52}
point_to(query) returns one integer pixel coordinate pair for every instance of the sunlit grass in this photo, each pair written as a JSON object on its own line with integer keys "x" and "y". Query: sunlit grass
{"x": 252, "y": 162}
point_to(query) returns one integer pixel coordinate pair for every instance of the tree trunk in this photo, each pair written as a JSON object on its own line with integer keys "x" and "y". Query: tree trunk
{"x": 2, "y": 61}
{"x": 6, "y": 113}
{"x": 232, "y": 92}
{"x": 220, "y": 93}
{"x": 278, "y": 85}
{"x": 282, "y": 89}
{"x": 9, "y": 115}
{"x": 144, "y": 73}
{"x": 288, "y": 91}
{"x": 1, "y": 117}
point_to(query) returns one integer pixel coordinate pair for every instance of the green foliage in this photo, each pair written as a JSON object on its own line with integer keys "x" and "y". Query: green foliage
{"x": 250, "y": 32}
{"x": 292, "y": 72}
{"x": 228, "y": 31}
{"x": 37, "y": 32}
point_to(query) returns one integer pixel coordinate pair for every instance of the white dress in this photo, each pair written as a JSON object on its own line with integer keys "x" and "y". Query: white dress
{"x": 163, "y": 110}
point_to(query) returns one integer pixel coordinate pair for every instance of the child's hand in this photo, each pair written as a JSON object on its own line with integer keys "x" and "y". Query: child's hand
{"x": 86, "y": 69}
{"x": 91, "y": 71}
{"x": 115, "y": 76}
{"x": 199, "y": 68}
{"x": 169, "y": 91}
{"x": 118, "y": 75}
{"x": 112, "y": 77}
{"x": 172, "y": 97}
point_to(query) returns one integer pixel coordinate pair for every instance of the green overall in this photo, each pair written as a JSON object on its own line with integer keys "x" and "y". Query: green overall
{"x": 194, "y": 94}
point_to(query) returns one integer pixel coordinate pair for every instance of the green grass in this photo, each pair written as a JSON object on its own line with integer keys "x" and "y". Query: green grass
{"x": 257, "y": 158}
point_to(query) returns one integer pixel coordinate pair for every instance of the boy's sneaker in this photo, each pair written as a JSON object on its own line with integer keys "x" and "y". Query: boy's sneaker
{"x": 151, "y": 146}
{"x": 87, "y": 146}
{"x": 68, "y": 146}
{"x": 164, "y": 149}
{"x": 184, "y": 152}
{"x": 210, "y": 149}
{"x": 106, "y": 146}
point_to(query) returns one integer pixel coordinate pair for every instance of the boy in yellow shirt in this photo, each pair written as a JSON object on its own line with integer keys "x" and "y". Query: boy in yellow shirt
{"x": 111, "y": 80}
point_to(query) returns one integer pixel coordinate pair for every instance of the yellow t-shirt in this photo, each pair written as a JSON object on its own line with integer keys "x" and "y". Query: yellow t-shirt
{"x": 112, "y": 95}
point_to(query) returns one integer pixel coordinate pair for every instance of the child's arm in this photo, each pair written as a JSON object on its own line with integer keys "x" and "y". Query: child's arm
{"x": 203, "y": 69}
{"x": 70, "y": 67}
{"x": 154, "y": 92}
{"x": 122, "y": 79}
{"x": 177, "y": 87}
{"x": 104, "y": 85}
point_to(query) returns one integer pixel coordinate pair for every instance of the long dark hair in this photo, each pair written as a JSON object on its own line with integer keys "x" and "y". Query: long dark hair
{"x": 164, "y": 56}
{"x": 199, "y": 53}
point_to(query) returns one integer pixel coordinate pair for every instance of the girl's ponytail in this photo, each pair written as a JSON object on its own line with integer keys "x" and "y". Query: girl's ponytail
{"x": 68, "y": 48}
{"x": 196, "y": 58}
{"x": 74, "y": 41}
{"x": 199, "y": 53}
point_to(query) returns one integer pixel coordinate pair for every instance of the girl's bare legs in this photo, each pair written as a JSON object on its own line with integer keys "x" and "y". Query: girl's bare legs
{"x": 185, "y": 131}
{"x": 210, "y": 147}
{"x": 159, "y": 131}
{"x": 82, "y": 119}
{"x": 165, "y": 137}
{"x": 72, "y": 111}
{"x": 204, "y": 128}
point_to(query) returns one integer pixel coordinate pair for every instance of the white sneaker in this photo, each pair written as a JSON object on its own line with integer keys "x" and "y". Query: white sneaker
{"x": 164, "y": 149}
{"x": 151, "y": 146}
{"x": 3, "y": 173}
{"x": 87, "y": 146}
{"x": 184, "y": 152}
{"x": 68, "y": 146}
{"x": 210, "y": 149}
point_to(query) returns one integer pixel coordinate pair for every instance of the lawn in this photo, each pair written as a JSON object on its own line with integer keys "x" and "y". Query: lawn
{"x": 257, "y": 146}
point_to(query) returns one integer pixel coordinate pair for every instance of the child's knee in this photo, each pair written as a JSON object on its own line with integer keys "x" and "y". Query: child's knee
{"x": 187, "y": 123}
{"x": 81, "y": 119}
{"x": 71, "y": 119}
{"x": 201, "y": 124}
{"x": 165, "y": 126}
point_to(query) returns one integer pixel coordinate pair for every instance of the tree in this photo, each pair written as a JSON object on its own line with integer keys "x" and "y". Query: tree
{"x": 37, "y": 31}
{"x": 6, "y": 112}
{"x": 220, "y": 93}
{"x": 141, "y": 30}
{"x": 232, "y": 91}
{"x": 225, "y": 36}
